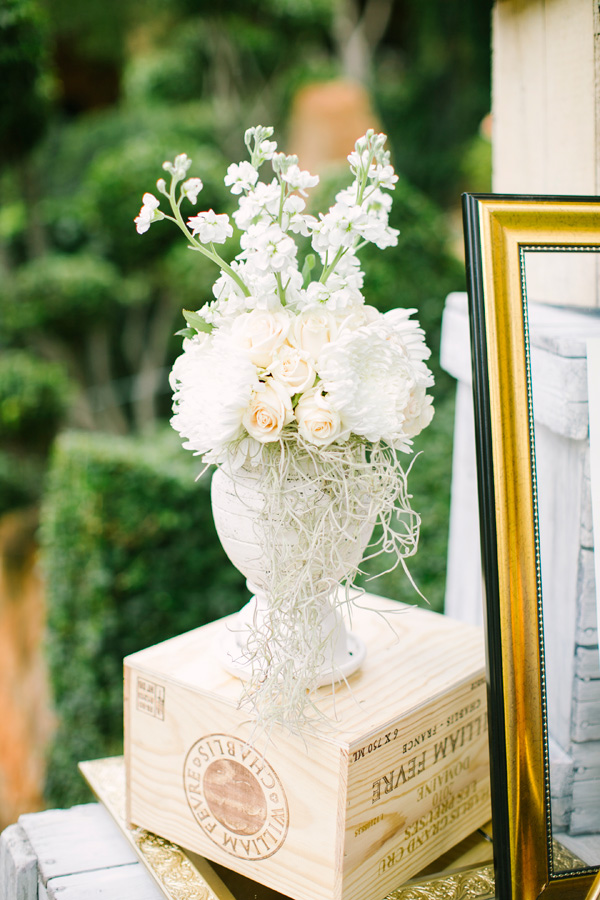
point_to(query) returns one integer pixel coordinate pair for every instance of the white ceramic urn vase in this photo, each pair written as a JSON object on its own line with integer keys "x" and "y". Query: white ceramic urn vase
{"x": 238, "y": 503}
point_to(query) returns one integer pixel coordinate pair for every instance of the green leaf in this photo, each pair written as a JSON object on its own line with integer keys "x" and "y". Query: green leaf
{"x": 196, "y": 322}
{"x": 186, "y": 332}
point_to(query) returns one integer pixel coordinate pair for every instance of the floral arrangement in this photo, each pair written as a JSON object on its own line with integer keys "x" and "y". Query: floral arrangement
{"x": 288, "y": 365}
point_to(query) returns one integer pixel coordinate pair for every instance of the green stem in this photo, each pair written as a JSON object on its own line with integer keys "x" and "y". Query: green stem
{"x": 196, "y": 245}
{"x": 329, "y": 269}
{"x": 280, "y": 287}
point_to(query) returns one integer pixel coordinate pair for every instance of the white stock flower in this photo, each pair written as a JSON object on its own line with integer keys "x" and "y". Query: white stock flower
{"x": 299, "y": 179}
{"x": 293, "y": 220}
{"x": 191, "y": 188}
{"x": 179, "y": 167}
{"x": 210, "y": 227}
{"x": 293, "y": 368}
{"x": 241, "y": 177}
{"x": 260, "y": 205}
{"x": 148, "y": 213}
{"x": 261, "y": 333}
{"x": 270, "y": 410}
{"x": 340, "y": 227}
{"x": 212, "y": 384}
{"x": 318, "y": 422}
{"x": 372, "y": 381}
{"x": 385, "y": 177}
{"x": 271, "y": 248}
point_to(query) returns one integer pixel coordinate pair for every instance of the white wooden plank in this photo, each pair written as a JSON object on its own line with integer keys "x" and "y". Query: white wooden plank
{"x": 544, "y": 99}
{"x": 80, "y": 839}
{"x": 586, "y": 663}
{"x": 559, "y": 464}
{"x": 586, "y": 721}
{"x": 587, "y": 692}
{"x": 587, "y": 621}
{"x": 586, "y": 847}
{"x": 18, "y": 866}
{"x": 518, "y": 79}
{"x": 587, "y": 531}
{"x": 464, "y": 587}
{"x": 561, "y": 771}
{"x": 128, "y": 882}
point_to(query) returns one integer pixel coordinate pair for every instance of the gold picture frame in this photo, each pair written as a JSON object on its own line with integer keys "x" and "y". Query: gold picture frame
{"x": 498, "y": 231}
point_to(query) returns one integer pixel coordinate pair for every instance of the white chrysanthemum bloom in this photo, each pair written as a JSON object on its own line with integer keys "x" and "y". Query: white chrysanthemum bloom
{"x": 261, "y": 333}
{"x": 191, "y": 188}
{"x": 260, "y": 205}
{"x": 299, "y": 179}
{"x": 409, "y": 332}
{"x": 372, "y": 381}
{"x": 210, "y": 227}
{"x": 213, "y": 384}
{"x": 241, "y": 177}
{"x": 148, "y": 213}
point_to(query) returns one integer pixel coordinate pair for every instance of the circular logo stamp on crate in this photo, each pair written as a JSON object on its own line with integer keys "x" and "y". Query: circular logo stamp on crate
{"x": 235, "y": 796}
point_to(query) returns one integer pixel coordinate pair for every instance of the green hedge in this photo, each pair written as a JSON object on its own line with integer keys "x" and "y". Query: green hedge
{"x": 130, "y": 557}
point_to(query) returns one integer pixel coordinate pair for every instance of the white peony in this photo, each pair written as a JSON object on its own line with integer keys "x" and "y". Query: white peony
{"x": 212, "y": 384}
{"x": 269, "y": 412}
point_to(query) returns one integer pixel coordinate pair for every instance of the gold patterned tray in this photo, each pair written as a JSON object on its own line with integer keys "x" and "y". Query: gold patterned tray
{"x": 182, "y": 875}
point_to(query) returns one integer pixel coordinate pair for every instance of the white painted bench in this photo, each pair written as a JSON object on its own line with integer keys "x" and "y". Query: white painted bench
{"x": 71, "y": 854}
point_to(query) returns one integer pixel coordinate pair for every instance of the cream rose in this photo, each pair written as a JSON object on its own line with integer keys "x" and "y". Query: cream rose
{"x": 318, "y": 423}
{"x": 293, "y": 368}
{"x": 269, "y": 412}
{"x": 261, "y": 332}
{"x": 418, "y": 412}
{"x": 311, "y": 330}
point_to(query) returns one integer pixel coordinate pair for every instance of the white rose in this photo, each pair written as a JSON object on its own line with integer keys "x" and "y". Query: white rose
{"x": 269, "y": 412}
{"x": 261, "y": 332}
{"x": 418, "y": 412}
{"x": 293, "y": 368}
{"x": 318, "y": 423}
{"x": 312, "y": 329}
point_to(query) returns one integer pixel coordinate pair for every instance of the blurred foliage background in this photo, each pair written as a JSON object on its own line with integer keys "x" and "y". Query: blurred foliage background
{"x": 93, "y": 97}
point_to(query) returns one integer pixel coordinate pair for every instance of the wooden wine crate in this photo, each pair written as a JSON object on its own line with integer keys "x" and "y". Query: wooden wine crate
{"x": 344, "y": 812}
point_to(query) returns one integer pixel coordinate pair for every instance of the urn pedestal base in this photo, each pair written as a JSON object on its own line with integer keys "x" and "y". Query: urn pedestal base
{"x": 340, "y": 813}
